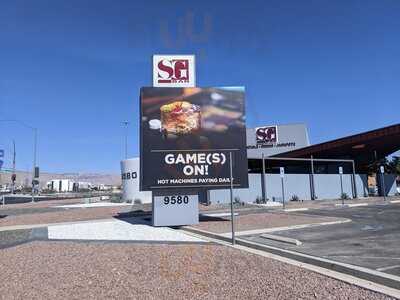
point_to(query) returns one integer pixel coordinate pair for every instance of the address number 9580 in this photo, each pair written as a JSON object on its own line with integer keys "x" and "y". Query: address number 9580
{"x": 176, "y": 199}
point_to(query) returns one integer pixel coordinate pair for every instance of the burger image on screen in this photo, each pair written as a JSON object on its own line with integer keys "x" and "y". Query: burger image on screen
{"x": 180, "y": 118}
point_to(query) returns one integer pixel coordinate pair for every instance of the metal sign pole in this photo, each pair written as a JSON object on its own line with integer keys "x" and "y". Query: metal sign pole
{"x": 283, "y": 193}
{"x": 383, "y": 182}
{"x": 264, "y": 197}
{"x": 341, "y": 184}
{"x": 354, "y": 180}
{"x": 231, "y": 190}
{"x": 282, "y": 174}
{"x": 312, "y": 179}
{"x": 341, "y": 188}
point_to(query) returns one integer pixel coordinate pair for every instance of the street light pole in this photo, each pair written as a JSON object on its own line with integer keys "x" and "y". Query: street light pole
{"x": 34, "y": 162}
{"x": 126, "y": 138}
{"x": 34, "y": 129}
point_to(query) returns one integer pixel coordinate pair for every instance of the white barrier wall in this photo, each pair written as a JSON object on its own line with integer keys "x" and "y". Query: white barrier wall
{"x": 327, "y": 186}
{"x": 130, "y": 173}
{"x": 246, "y": 195}
{"x": 390, "y": 184}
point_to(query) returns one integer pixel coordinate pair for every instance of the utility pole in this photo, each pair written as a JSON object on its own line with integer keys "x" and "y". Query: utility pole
{"x": 13, "y": 176}
{"x": 34, "y": 163}
{"x": 126, "y": 138}
{"x": 34, "y": 129}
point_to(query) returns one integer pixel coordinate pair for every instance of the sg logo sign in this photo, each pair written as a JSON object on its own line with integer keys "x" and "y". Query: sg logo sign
{"x": 174, "y": 71}
{"x": 267, "y": 135}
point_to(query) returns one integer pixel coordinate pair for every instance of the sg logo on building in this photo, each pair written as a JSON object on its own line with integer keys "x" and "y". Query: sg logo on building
{"x": 174, "y": 70}
{"x": 267, "y": 135}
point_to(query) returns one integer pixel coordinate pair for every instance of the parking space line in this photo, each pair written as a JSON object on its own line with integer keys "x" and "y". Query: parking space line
{"x": 296, "y": 209}
{"x": 351, "y": 204}
{"x": 274, "y": 229}
{"x": 368, "y": 257}
{"x": 388, "y": 268}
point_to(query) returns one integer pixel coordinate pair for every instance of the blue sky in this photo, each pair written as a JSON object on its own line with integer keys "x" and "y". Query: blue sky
{"x": 74, "y": 68}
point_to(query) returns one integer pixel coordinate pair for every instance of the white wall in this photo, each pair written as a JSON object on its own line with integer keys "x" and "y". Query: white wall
{"x": 130, "y": 172}
{"x": 327, "y": 186}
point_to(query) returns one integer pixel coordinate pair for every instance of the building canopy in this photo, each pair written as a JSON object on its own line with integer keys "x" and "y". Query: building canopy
{"x": 364, "y": 148}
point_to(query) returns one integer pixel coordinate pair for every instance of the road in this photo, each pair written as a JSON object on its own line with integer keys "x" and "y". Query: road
{"x": 371, "y": 240}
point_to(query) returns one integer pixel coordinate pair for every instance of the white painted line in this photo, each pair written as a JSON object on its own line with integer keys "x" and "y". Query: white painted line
{"x": 395, "y": 201}
{"x": 95, "y": 204}
{"x": 357, "y": 204}
{"x": 281, "y": 239}
{"x": 268, "y": 204}
{"x": 274, "y": 229}
{"x": 351, "y": 204}
{"x": 219, "y": 214}
{"x": 296, "y": 209}
{"x": 388, "y": 268}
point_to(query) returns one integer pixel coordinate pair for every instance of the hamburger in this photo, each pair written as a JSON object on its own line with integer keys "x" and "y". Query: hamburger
{"x": 180, "y": 117}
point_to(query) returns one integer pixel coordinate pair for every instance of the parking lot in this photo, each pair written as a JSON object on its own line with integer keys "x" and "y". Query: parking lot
{"x": 92, "y": 251}
{"x": 371, "y": 239}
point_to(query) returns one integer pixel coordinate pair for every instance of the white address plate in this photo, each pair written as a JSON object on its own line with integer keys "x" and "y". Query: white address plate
{"x": 175, "y": 210}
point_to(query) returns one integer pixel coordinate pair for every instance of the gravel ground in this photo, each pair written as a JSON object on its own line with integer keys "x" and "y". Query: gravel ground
{"x": 67, "y": 215}
{"x": 11, "y": 238}
{"x": 66, "y": 270}
{"x": 47, "y": 203}
{"x": 260, "y": 221}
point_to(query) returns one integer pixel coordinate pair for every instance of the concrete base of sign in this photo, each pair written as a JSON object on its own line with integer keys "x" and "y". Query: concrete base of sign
{"x": 175, "y": 209}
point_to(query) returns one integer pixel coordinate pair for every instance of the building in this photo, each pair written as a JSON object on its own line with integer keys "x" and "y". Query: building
{"x": 329, "y": 170}
{"x": 130, "y": 182}
{"x": 61, "y": 185}
{"x": 67, "y": 185}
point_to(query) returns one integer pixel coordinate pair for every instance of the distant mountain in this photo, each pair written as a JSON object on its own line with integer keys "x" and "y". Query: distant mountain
{"x": 24, "y": 178}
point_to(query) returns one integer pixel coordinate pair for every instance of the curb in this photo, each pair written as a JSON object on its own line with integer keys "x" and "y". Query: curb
{"x": 388, "y": 280}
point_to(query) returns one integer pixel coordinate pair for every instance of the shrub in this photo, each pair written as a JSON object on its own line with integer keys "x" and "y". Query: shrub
{"x": 295, "y": 198}
{"x": 260, "y": 200}
{"x": 344, "y": 196}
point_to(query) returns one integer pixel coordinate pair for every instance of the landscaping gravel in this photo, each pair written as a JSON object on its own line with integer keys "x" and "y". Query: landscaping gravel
{"x": 261, "y": 221}
{"x": 11, "y": 238}
{"x": 67, "y": 270}
{"x": 63, "y": 215}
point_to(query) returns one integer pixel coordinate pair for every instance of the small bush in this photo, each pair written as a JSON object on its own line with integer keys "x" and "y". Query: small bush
{"x": 295, "y": 198}
{"x": 344, "y": 196}
{"x": 260, "y": 200}
{"x": 116, "y": 199}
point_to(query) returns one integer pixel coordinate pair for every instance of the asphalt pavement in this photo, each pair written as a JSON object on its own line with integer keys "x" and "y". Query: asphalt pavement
{"x": 371, "y": 240}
